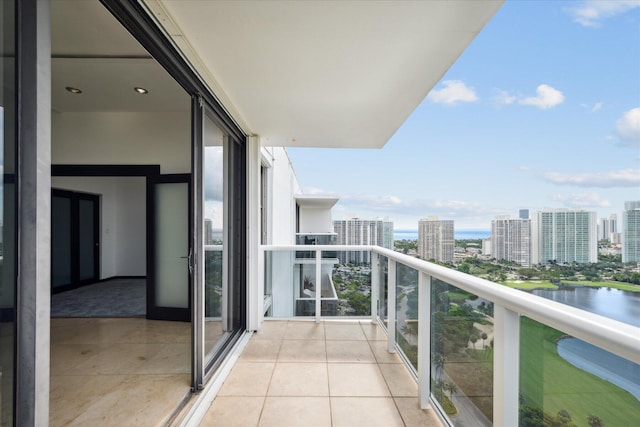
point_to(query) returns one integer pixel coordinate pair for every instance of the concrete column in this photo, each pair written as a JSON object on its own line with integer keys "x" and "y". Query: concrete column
{"x": 34, "y": 214}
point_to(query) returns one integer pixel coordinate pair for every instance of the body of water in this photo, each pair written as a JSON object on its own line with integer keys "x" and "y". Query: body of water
{"x": 457, "y": 234}
{"x": 616, "y": 304}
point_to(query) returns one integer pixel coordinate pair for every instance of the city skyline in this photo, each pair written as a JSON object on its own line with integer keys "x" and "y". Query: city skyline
{"x": 524, "y": 119}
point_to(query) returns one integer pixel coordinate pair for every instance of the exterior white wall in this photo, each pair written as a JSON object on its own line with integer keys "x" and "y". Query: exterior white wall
{"x": 123, "y": 138}
{"x": 315, "y": 220}
{"x": 122, "y": 221}
{"x": 283, "y": 208}
{"x": 282, "y": 220}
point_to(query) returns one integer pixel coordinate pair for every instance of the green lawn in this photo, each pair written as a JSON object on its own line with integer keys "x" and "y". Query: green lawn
{"x": 623, "y": 286}
{"x": 550, "y": 382}
{"x": 533, "y": 284}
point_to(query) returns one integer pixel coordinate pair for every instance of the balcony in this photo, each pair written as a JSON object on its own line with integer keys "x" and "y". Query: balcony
{"x": 487, "y": 354}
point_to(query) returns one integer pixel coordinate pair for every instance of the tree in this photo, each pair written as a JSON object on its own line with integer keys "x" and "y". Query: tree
{"x": 451, "y": 388}
{"x": 594, "y": 421}
{"x": 474, "y": 339}
{"x": 484, "y": 336}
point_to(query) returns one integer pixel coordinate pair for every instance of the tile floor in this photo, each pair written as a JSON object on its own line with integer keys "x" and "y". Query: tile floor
{"x": 296, "y": 373}
{"x": 117, "y": 372}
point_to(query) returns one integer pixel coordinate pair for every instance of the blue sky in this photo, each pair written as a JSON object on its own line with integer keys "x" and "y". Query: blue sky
{"x": 541, "y": 110}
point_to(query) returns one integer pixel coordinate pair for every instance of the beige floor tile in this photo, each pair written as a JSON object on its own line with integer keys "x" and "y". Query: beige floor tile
{"x": 140, "y": 401}
{"x": 349, "y": 351}
{"x": 364, "y": 411}
{"x": 92, "y": 331}
{"x": 234, "y": 411}
{"x": 382, "y": 354}
{"x": 304, "y": 331}
{"x": 399, "y": 380}
{"x": 66, "y": 357}
{"x": 159, "y": 332}
{"x": 119, "y": 358}
{"x": 72, "y": 395}
{"x": 248, "y": 379}
{"x": 413, "y": 416}
{"x": 271, "y": 330}
{"x": 299, "y": 379}
{"x": 296, "y": 412}
{"x": 373, "y": 332}
{"x": 170, "y": 359}
{"x": 344, "y": 331}
{"x": 303, "y": 351}
{"x": 261, "y": 351}
{"x": 356, "y": 379}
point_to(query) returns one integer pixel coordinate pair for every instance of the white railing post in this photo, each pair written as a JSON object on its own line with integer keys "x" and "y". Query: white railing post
{"x": 506, "y": 363}
{"x": 318, "y": 284}
{"x": 424, "y": 339}
{"x": 391, "y": 307}
{"x": 375, "y": 285}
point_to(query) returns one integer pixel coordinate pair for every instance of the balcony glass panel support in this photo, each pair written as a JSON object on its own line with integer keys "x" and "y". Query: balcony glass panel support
{"x": 318, "y": 285}
{"x": 506, "y": 360}
{"x": 424, "y": 340}
{"x": 391, "y": 306}
{"x": 375, "y": 286}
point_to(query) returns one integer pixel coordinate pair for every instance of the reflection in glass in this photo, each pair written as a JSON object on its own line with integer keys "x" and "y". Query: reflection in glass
{"x": 346, "y": 286}
{"x": 215, "y": 271}
{"x": 564, "y": 378}
{"x": 7, "y": 210}
{"x": 407, "y": 312}
{"x": 462, "y": 354}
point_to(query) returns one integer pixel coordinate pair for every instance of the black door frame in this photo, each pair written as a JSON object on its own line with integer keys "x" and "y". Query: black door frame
{"x": 74, "y": 198}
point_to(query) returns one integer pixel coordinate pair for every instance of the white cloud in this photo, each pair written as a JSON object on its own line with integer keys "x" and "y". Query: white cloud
{"x": 582, "y": 200}
{"x": 547, "y": 97}
{"x": 596, "y": 107}
{"x": 621, "y": 178}
{"x": 628, "y": 128}
{"x": 524, "y": 168}
{"x": 590, "y": 13}
{"x": 503, "y": 97}
{"x": 453, "y": 92}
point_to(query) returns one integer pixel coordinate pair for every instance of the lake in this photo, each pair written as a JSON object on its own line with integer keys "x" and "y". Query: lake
{"x": 616, "y": 304}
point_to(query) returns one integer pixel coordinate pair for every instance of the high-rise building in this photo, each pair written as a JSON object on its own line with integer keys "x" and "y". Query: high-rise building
{"x": 607, "y": 226}
{"x": 356, "y": 231}
{"x": 631, "y": 232}
{"x": 208, "y": 231}
{"x": 523, "y": 214}
{"x": 564, "y": 236}
{"x": 511, "y": 240}
{"x": 435, "y": 239}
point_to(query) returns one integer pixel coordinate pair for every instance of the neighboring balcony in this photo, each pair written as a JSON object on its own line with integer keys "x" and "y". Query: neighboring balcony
{"x": 480, "y": 354}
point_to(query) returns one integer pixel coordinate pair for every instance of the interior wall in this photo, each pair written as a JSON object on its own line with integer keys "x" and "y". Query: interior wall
{"x": 122, "y": 221}
{"x": 147, "y": 138}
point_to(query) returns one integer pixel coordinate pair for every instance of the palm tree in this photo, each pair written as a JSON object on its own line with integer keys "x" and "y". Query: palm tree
{"x": 451, "y": 388}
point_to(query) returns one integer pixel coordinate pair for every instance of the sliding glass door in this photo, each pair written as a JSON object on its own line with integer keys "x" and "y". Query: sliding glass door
{"x": 220, "y": 192}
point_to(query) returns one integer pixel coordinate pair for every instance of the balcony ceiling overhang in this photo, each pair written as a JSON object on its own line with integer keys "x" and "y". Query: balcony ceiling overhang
{"x": 322, "y": 74}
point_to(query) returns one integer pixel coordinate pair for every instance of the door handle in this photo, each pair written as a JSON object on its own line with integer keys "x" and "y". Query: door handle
{"x": 189, "y": 259}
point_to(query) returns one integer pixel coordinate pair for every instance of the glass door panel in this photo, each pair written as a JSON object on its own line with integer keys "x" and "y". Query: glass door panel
{"x": 172, "y": 248}
{"x": 216, "y": 252}
{"x": 60, "y": 241}
{"x": 88, "y": 239}
{"x": 169, "y": 262}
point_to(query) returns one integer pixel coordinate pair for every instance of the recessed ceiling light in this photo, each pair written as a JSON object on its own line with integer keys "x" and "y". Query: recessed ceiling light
{"x": 73, "y": 90}
{"x": 141, "y": 90}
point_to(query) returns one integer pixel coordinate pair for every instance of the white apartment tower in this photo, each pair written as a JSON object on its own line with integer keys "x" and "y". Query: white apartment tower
{"x": 356, "y": 231}
{"x": 511, "y": 240}
{"x": 435, "y": 239}
{"x": 564, "y": 236}
{"x": 631, "y": 232}
{"x": 607, "y": 227}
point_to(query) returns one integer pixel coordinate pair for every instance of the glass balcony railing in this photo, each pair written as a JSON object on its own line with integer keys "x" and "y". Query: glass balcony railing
{"x": 481, "y": 353}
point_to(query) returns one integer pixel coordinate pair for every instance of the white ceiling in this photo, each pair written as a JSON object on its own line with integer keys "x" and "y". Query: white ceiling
{"x": 322, "y": 74}
{"x": 94, "y": 53}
